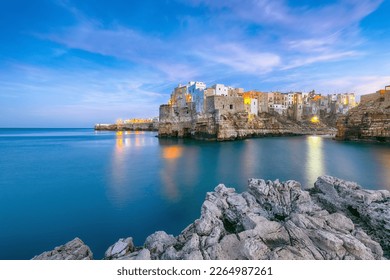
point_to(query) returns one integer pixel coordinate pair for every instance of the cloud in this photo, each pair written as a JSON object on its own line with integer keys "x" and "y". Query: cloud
{"x": 360, "y": 85}
{"x": 291, "y": 29}
{"x": 241, "y": 59}
{"x": 325, "y": 57}
{"x": 327, "y": 84}
{"x": 289, "y": 37}
{"x": 326, "y": 17}
{"x": 118, "y": 42}
{"x": 97, "y": 93}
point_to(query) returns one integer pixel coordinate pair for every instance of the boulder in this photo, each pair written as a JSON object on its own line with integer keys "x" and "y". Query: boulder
{"x": 121, "y": 248}
{"x": 73, "y": 250}
{"x": 334, "y": 220}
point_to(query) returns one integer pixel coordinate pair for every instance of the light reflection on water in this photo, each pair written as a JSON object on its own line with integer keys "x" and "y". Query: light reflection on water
{"x": 172, "y": 153}
{"x": 120, "y": 182}
{"x": 249, "y": 158}
{"x": 170, "y": 166}
{"x": 133, "y": 184}
{"x": 314, "y": 158}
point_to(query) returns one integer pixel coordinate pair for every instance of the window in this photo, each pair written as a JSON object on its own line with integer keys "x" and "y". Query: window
{"x": 223, "y": 106}
{"x": 231, "y": 106}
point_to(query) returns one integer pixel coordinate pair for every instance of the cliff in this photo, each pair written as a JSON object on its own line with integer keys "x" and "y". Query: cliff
{"x": 335, "y": 219}
{"x": 236, "y": 126}
{"x": 370, "y": 121}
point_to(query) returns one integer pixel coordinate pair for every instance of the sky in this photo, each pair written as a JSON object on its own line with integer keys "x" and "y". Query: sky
{"x": 68, "y": 63}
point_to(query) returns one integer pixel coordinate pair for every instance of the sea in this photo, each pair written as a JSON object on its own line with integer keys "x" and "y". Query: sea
{"x": 58, "y": 184}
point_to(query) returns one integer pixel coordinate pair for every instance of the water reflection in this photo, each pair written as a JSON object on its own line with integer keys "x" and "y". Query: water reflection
{"x": 172, "y": 152}
{"x": 314, "y": 158}
{"x": 178, "y": 167}
{"x": 170, "y": 166}
{"x": 119, "y": 140}
{"x": 384, "y": 162}
{"x": 119, "y": 183}
{"x": 249, "y": 157}
{"x": 118, "y": 186}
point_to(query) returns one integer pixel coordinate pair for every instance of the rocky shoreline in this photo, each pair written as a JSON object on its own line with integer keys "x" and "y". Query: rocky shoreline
{"x": 147, "y": 126}
{"x": 368, "y": 122}
{"x": 333, "y": 220}
{"x": 237, "y": 126}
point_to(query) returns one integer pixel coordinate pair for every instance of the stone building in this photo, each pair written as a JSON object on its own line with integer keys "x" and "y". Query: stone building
{"x": 235, "y": 91}
{"x": 179, "y": 96}
{"x": 224, "y": 104}
{"x": 251, "y": 106}
{"x": 383, "y": 94}
{"x": 277, "y": 102}
{"x": 297, "y": 106}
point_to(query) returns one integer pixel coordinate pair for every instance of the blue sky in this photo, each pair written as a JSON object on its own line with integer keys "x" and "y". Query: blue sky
{"x": 68, "y": 63}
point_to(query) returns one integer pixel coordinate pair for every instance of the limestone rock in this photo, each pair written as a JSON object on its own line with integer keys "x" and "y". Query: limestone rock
{"x": 366, "y": 208}
{"x": 335, "y": 219}
{"x": 158, "y": 242}
{"x": 73, "y": 250}
{"x": 370, "y": 121}
{"x": 121, "y": 248}
{"x": 184, "y": 122}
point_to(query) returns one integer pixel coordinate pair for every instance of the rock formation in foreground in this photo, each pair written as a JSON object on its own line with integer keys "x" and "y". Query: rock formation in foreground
{"x": 335, "y": 219}
{"x": 367, "y": 122}
{"x": 73, "y": 250}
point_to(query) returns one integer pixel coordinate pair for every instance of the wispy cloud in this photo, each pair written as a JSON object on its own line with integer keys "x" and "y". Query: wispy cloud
{"x": 325, "y": 57}
{"x": 358, "y": 84}
{"x": 97, "y": 94}
{"x": 327, "y": 17}
{"x": 241, "y": 59}
{"x": 291, "y": 36}
{"x": 267, "y": 44}
{"x": 325, "y": 30}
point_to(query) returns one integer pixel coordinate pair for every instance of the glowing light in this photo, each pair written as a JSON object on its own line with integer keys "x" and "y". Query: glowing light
{"x": 139, "y": 121}
{"x": 315, "y": 119}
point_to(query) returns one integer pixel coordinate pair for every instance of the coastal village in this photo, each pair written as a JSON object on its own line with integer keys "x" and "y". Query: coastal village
{"x": 221, "y": 112}
{"x": 219, "y": 99}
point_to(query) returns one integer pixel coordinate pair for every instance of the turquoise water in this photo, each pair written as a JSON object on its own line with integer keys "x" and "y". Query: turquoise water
{"x": 56, "y": 184}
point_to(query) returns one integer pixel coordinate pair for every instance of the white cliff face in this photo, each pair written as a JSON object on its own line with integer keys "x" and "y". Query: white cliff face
{"x": 335, "y": 219}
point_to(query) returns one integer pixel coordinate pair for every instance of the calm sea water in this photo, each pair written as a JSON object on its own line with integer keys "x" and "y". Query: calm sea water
{"x": 56, "y": 184}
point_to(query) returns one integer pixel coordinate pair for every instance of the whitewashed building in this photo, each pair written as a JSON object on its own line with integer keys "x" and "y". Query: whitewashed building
{"x": 220, "y": 89}
{"x": 197, "y": 92}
